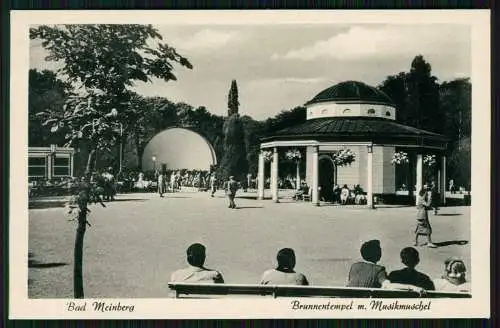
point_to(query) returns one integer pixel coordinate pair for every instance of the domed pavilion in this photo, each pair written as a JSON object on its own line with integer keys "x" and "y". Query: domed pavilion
{"x": 362, "y": 119}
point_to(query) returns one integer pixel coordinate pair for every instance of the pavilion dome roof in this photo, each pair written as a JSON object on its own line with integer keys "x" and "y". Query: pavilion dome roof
{"x": 352, "y": 91}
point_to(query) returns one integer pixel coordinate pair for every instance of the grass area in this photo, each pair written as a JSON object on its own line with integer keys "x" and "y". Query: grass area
{"x": 136, "y": 243}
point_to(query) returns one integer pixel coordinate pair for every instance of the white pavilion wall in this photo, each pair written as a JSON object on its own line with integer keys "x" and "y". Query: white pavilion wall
{"x": 383, "y": 172}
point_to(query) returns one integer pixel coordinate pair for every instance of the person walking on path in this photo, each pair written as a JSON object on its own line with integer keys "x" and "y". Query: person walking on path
{"x": 232, "y": 187}
{"x": 162, "y": 183}
{"x": 213, "y": 185}
{"x": 423, "y": 225}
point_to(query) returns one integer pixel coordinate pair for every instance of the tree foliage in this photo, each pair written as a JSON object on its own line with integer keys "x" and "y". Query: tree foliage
{"x": 46, "y": 92}
{"x": 234, "y": 161}
{"x": 232, "y": 99}
{"x": 443, "y": 108}
{"x": 101, "y": 62}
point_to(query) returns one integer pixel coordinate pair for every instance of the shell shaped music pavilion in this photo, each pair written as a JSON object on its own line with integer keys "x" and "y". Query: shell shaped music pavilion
{"x": 353, "y": 115}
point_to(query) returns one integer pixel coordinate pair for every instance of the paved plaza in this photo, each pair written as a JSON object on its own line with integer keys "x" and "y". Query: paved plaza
{"x": 136, "y": 242}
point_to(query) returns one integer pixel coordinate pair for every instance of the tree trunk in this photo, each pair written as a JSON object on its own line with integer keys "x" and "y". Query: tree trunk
{"x": 78, "y": 268}
{"x": 140, "y": 151}
{"x": 80, "y": 231}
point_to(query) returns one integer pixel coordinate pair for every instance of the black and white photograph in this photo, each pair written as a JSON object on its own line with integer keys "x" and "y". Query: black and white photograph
{"x": 234, "y": 164}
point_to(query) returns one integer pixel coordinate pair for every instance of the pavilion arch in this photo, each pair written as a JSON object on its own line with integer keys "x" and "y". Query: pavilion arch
{"x": 178, "y": 148}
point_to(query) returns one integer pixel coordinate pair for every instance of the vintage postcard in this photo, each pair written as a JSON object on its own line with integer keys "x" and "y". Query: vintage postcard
{"x": 249, "y": 164}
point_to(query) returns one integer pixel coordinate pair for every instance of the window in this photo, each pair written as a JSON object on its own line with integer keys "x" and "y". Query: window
{"x": 388, "y": 113}
{"x": 36, "y": 166}
{"x": 61, "y": 166}
{"x": 371, "y": 111}
{"x": 346, "y": 111}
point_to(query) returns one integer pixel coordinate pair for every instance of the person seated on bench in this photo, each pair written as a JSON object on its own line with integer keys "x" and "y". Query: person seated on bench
{"x": 408, "y": 275}
{"x": 453, "y": 279}
{"x": 368, "y": 273}
{"x": 344, "y": 195}
{"x": 284, "y": 273}
{"x": 304, "y": 190}
{"x": 196, "y": 272}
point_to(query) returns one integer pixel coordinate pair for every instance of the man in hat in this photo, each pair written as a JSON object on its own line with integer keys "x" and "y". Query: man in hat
{"x": 232, "y": 187}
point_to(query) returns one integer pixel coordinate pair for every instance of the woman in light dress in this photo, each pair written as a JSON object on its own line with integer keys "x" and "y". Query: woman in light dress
{"x": 423, "y": 225}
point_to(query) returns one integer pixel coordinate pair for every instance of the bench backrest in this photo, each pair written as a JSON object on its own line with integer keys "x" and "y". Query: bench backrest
{"x": 193, "y": 290}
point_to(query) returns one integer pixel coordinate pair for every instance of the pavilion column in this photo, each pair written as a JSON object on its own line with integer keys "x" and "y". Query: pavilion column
{"x": 71, "y": 164}
{"x": 49, "y": 165}
{"x": 260, "y": 178}
{"x": 442, "y": 179}
{"x": 274, "y": 175}
{"x": 315, "y": 176}
{"x": 418, "y": 181}
{"x": 369, "y": 175}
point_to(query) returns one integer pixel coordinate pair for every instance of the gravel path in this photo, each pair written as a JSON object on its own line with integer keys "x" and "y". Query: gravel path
{"x": 136, "y": 242}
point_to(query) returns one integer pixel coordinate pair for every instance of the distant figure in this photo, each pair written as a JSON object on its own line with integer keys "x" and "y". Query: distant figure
{"x": 196, "y": 272}
{"x": 453, "y": 279}
{"x": 423, "y": 225}
{"x": 433, "y": 197}
{"x": 108, "y": 184}
{"x": 213, "y": 185}
{"x": 162, "y": 184}
{"x": 172, "y": 181}
{"x": 452, "y": 186}
{"x": 368, "y": 273}
{"x": 232, "y": 187}
{"x": 336, "y": 194}
{"x": 304, "y": 190}
{"x": 284, "y": 273}
{"x": 344, "y": 195}
{"x": 409, "y": 276}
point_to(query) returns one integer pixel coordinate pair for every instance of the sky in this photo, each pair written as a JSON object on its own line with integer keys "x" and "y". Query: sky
{"x": 278, "y": 67}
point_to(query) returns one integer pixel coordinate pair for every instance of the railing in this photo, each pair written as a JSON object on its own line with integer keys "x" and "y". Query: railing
{"x": 203, "y": 290}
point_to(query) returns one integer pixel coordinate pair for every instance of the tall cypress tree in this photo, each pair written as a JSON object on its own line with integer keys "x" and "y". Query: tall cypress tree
{"x": 234, "y": 161}
{"x": 232, "y": 99}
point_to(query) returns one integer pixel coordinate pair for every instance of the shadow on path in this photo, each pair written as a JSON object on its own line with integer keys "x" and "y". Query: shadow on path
{"x": 128, "y": 200}
{"x": 38, "y": 265}
{"x": 243, "y": 207}
{"x": 449, "y": 214}
{"x": 452, "y": 242}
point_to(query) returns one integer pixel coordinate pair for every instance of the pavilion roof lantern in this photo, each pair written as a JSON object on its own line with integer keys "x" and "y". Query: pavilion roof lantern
{"x": 351, "y": 98}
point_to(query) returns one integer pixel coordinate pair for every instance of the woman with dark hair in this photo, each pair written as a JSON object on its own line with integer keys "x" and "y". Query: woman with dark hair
{"x": 367, "y": 273}
{"x": 453, "y": 278}
{"x": 423, "y": 225}
{"x": 284, "y": 273}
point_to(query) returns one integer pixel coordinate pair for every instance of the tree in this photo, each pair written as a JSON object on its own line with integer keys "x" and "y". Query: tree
{"x": 422, "y": 106}
{"x": 101, "y": 62}
{"x": 396, "y": 87}
{"x": 46, "y": 91}
{"x": 232, "y": 99}
{"x": 455, "y": 100}
{"x": 234, "y": 161}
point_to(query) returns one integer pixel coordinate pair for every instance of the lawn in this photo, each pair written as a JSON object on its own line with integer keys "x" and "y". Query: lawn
{"x": 135, "y": 243}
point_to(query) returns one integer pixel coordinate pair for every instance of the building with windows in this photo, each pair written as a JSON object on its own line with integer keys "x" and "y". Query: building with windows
{"x": 50, "y": 162}
{"x": 355, "y": 116}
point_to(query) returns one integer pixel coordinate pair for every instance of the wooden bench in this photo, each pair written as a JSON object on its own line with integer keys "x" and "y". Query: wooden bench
{"x": 193, "y": 290}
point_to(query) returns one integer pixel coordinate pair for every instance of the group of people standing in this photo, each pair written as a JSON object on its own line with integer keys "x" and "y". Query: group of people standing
{"x": 365, "y": 273}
